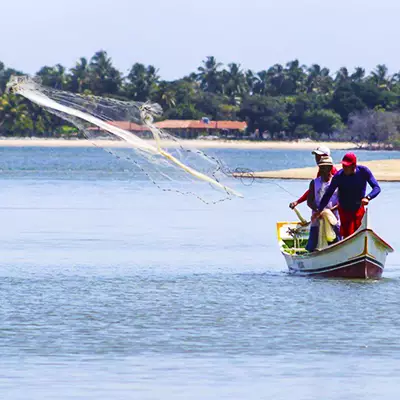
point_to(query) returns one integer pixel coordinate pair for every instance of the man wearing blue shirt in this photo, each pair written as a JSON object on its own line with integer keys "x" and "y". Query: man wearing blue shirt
{"x": 351, "y": 182}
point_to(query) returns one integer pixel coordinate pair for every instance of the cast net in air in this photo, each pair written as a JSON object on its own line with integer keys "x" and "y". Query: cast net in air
{"x": 162, "y": 160}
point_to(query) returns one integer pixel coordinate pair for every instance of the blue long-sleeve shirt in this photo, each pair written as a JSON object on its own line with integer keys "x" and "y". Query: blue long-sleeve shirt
{"x": 352, "y": 188}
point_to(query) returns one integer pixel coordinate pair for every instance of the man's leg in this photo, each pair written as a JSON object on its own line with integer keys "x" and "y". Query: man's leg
{"x": 345, "y": 221}
{"x": 358, "y": 217}
{"x": 350, "y": 221}
{"x": 312, "y": 239}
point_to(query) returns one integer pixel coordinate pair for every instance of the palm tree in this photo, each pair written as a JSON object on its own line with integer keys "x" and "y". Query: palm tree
{"x": 234, "y": 81}
{"x": 358, "y": 75}
{"x": 251, "y": 80}
{"x": 54, "y": 77}
{"x": 380, "y": 74}
{"x": 152, "y": 79}
{"x": 261, "y": 84}
{"x": 318, "y": 79}
{"x": 104, "y": 78}
{"x": 14, "y": 115}
{"x": 396, "y": 82}
{"x": 166, "y": 96}
{"x": 2, "y": 67}
{"x": 276, "y": 78}
{"x": 295, "y": 76}
{"x": 80, "y": 76}
{"x": 3, "y": 79}
{"x": 342, "y": 76}
{"x": 381, "y": 78}
{"x": 314, "y": 72}
{"x": 5, "y": 74}
{"x": 142, "y": 82}
{"x": 209, "y": 76}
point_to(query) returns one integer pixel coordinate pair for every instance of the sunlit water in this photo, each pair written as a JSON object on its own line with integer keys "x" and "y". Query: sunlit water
{"x": 113, "y": 290}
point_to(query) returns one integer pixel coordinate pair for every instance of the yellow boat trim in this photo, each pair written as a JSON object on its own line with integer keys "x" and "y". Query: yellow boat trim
{"x": 365, "y": 252}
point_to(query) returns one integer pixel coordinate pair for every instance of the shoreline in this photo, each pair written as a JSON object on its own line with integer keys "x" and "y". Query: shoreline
{"x": 190, "y": 143}
{"x": 383, "y": 170}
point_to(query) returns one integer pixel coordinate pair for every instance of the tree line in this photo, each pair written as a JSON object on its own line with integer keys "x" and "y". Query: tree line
{"x": 290, "y": 101}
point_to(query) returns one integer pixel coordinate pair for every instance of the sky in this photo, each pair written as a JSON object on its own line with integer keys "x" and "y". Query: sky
{"x": 176, "y": 35}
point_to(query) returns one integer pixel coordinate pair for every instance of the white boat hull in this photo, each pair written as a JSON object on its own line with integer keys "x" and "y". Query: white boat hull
{"x": 361, "y": 255}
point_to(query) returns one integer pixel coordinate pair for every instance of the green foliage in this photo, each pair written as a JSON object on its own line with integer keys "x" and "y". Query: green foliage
{"x": 298, "y": 106}
{"x": 142, "y": 82}
{"x": 323, "y": 121}
{"x": 184, "y": 111}
{"x": 209, "y": 75}
{"x": 304, "y": 131}
{"x": 284, "y": 100}
{"x": 67, "y": 130}
{"x": 104, "y": 78}
{"x": 228, "y": 112}
{"x": 345, "y": 101}
{"x": 14, "y": 116}
{"x": 265, "y": 113}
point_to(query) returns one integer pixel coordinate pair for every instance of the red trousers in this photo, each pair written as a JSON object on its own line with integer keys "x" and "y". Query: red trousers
{"x": 350, "y": 221}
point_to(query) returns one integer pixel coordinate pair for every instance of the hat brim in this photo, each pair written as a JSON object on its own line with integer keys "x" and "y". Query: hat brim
{"x": 318, "y": 153}
{"x": 325, "y": 165}
{"x": 348, "y": 163}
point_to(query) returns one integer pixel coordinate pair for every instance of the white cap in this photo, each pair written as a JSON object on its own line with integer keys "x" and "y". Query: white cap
{"x": 322, "y": 151}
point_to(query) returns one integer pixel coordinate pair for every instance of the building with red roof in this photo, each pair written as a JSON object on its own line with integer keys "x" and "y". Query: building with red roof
{"x": 185, "y": 128}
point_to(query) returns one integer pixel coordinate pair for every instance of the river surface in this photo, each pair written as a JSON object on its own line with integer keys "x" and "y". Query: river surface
{"x": 112, "y": 290}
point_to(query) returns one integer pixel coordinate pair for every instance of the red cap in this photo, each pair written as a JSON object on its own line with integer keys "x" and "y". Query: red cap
{"x": 349, "y": 159}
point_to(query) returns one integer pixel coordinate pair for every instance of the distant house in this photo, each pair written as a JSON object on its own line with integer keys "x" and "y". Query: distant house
{"x": 194, "y": 128}
{"x": 140, "y": 130}
{"x": 187, "y": 129}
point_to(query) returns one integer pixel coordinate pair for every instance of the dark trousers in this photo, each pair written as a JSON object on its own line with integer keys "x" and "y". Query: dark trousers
{"x": 313, "y": 238}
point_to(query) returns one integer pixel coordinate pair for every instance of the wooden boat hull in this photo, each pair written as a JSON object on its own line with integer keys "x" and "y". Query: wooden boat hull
{"x": 363, "y": 268}
{"x": 360, "y": 256}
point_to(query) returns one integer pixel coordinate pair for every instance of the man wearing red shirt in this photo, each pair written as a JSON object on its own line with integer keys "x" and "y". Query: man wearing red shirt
{"x": 318, "y": 152}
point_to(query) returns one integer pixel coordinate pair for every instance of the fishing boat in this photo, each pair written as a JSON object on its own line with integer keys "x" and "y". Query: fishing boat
{"x": 360, "y": 256}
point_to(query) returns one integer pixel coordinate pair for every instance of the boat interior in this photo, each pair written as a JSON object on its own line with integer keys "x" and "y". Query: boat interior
{"x": 293, "y": 237}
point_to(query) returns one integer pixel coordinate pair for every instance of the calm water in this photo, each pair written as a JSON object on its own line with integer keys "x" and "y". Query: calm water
{"x": 110, "y": 290}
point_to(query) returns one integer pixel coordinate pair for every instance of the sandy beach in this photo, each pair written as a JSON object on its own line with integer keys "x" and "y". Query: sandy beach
{"x": 193, "y": 143}
{"x": 383, "y": 170}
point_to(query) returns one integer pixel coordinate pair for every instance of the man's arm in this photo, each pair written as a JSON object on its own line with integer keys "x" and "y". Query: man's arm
{"x": 303, "y": 198}
{"x": 329, "y": 192}
{"x": 376, "y": 189}
{"x": 311, "y": 197}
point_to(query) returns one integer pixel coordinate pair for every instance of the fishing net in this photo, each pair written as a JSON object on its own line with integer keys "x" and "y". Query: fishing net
{"x": 153, "y": 154}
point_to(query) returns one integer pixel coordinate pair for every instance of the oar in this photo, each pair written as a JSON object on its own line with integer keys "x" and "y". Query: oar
{"x": 303, "y": 221}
